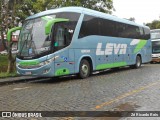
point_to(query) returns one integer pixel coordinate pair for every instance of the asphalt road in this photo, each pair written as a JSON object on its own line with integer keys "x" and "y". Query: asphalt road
{"x": 125, "y": 89}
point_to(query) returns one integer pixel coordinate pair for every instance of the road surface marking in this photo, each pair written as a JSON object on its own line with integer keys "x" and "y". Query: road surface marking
{"x": 21, "y": 88}
{"x": 126, "y": 95}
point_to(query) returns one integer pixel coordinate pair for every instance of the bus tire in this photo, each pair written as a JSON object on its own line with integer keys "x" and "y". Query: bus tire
{"x": 151, "y": 62}
{"x": 116, "y": 68}
{"x": 138, "y": 62}
{"x": 84, "y": 69}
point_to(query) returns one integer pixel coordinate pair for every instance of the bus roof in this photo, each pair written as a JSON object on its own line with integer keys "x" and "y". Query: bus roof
{"x": 85, "y": 11}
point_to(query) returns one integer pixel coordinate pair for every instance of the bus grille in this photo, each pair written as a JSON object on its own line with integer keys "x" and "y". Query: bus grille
{"x": 29, "y": 67}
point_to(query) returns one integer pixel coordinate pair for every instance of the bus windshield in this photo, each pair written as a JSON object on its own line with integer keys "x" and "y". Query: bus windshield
{"x": 34, "y": 42}
{"x": 155, "y": 46}
{"x": 155, "y": 34}
{"x": 32, "y": 39}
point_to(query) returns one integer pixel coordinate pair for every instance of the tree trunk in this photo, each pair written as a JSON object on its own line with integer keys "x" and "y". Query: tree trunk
{"x": 11, "y": 60}
{"x": 10, "y": 66}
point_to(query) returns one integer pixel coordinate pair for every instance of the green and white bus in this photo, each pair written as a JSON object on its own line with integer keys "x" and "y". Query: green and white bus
{"x": 76, "y": 40}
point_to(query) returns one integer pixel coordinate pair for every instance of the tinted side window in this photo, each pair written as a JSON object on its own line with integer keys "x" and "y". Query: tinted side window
{"x": 134, "y": 32}
{"x": 104, "y": 27}
{"x": 121, "y": 30}
{"x": 147, "y": 33}
{"x": 89, "y": 26}
{"x": 73, "y": 19}
{"x": 107, "y": 27}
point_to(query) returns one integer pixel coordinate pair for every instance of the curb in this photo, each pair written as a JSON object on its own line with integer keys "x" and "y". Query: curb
{"x": 21, "y": 79}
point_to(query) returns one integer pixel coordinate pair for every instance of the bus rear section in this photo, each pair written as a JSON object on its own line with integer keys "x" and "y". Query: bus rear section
{"x": 106, "y": 43}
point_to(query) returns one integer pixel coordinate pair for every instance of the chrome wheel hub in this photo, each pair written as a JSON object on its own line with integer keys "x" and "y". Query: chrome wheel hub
{"x": 84, "y": 69}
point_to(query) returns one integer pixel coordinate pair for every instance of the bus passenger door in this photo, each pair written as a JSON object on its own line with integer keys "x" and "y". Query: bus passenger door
{"x": 61, "y": 64}
{"x": 71, "y": 62}
{"x": 64, "y": 64}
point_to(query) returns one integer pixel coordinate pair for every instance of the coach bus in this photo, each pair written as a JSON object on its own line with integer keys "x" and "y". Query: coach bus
{"x": 155, "y": 38}
{"x": 76, "y": 40}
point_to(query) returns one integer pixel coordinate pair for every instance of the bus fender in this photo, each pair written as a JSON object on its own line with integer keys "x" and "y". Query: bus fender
{"x": 137, "y": 55}
{"x": 79, "y": 60}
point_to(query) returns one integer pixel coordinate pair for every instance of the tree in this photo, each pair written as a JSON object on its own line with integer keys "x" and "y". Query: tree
{"x": 26, "y": 8}
{"x": 154, "y": 24}
{"x": 99, "y": 5}
{"x": 8, "y": 20}
{"x": 132, "y": 19}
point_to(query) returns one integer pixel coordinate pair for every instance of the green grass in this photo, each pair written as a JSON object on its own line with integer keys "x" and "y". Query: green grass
{"x": 4, "y": 66}
{"x": 3, "y": 63}
{"x": 5, "y": 75}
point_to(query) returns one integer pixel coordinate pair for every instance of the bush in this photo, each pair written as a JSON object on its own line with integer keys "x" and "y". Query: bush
{"x": 3, "y": 63}
{"x": 4, "y": 66}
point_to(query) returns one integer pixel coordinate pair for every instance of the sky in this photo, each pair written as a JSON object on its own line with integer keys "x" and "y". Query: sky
{"x": 144, "y": 11}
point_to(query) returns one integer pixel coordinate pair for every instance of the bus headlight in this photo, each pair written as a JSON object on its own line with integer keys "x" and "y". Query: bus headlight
{"x": 48, "y": 61}
{"x": 45, "y": 62}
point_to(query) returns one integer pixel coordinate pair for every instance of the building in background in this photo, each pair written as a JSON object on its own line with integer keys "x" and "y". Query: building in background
{"x": 1, "y": 44}
{"x": 14, "y": 39}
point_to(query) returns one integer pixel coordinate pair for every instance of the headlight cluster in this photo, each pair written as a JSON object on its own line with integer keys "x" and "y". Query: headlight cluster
{"x": 45, "y": 62}
{"x": 48, "y": 61}
{"x": 36, "y": 65}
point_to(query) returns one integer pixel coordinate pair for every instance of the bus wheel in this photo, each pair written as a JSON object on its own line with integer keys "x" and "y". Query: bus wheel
{"x": 138, "y": 62}
{"x": 84, "y": 69}
{"x": 151, "y": 62}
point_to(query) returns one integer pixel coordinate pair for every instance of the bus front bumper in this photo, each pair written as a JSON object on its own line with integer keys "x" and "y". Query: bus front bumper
{"x": 44, "y": 71}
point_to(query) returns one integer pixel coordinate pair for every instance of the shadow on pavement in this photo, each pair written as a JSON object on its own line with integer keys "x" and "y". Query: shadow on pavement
{"x": 56, "y": 80}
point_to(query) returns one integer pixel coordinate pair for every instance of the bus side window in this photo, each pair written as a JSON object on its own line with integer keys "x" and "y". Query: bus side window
{"x": 147, "y": 33}
{"x": 62, "y": 34}
{"x": 67, "y": 36}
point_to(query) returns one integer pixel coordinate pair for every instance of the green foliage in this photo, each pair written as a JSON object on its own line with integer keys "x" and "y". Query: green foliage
{"x": 24, "y": 8}
{"x": 154, "y": 25}
{"x": 40, "y": 5}
{"x": 4, "y": 63}
{"x": 4, "y": 74}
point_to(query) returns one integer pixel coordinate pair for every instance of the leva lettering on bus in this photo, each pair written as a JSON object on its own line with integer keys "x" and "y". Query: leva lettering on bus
{"x": 119, "y": 48}
{"x": 111, "y": 48}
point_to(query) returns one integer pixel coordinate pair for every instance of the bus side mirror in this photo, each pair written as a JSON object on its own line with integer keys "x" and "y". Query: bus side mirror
{"x": 50, "y": 23}
{"x": 9, "y": 33}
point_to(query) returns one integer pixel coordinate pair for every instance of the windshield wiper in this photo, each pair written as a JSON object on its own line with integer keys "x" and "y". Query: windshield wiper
{"x": 34, "y": 47}
{"x": 25, "y": 42}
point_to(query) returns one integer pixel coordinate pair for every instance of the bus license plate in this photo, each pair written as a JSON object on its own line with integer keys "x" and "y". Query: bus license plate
{"x": 28, "y": 73}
